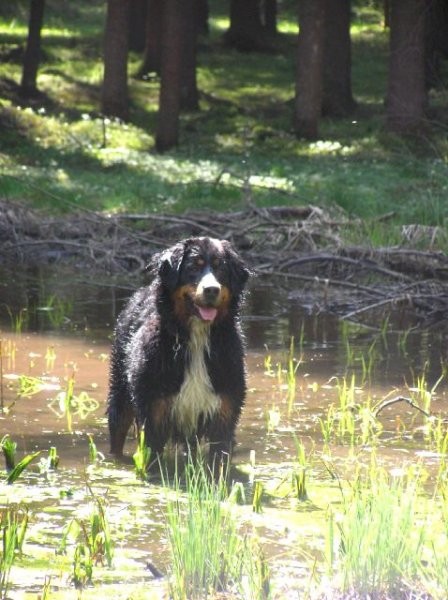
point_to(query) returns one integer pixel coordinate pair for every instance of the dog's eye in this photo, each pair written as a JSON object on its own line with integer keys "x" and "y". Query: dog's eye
{"x": 199, "y": 262}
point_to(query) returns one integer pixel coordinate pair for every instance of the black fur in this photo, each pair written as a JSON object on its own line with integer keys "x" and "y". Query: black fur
{"x": 198, "y": 283}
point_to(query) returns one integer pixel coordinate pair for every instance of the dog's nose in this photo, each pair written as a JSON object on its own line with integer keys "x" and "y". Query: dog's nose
{"x": 211, "y": 293}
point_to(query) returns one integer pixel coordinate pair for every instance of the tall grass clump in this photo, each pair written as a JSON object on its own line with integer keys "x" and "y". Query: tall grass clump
{"x": 434, "y": 573}
{"x": 13, "y": 526}
{"x": 208, "y": 555}
{"x": 380, "y": 541}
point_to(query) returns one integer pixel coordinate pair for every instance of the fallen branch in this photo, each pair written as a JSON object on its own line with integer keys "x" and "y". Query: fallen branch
{"x": 387, "y": 403}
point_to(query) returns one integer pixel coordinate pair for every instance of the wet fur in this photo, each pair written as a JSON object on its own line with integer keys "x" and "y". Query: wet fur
{"x": 180, "y": 377}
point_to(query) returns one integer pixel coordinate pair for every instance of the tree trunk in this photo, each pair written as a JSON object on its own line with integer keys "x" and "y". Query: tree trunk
{"x": 28, "y": 86}
{"x": 270, "y": 16}
{"x": 436, "y": 41}
{"x": 246, "y": 32}
{"x": 202, "y": 13}
{"x": 153, "y": 45}
{"x": 173, "y": 40}
{"x": 386, "y": 12}
{"x": 308, "y": 100}
{"x": 137, "y": 20}
{"x": 189, "y": 95}
{"x": 337, "y": 90}
{"x": 406, "y": 96}
{"x": 115, "y": 101}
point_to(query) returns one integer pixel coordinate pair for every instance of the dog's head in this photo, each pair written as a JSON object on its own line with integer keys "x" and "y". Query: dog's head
{"x": 204, "y": 277}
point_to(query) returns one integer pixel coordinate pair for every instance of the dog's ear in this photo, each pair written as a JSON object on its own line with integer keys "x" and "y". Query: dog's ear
{"x": 167, "y": 265}
{"x": 238, "y": 272}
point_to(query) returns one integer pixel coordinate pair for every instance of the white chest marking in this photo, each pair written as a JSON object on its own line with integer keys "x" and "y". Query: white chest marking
{"x": 196, "y": 395}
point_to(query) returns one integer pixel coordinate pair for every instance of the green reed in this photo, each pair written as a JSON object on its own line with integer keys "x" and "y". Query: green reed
{"x": 15, "y": 470}
{"x": 13, "y": 527}
{"x": 208, "y": 556}
{"x": 19, "y": 321}
{"x": 292, "y": 365}
{"x": 377, "y": 542}
{"x": 299, "y": 473}
{"x": 257, "y": 498}
{"x": 93, "y": 541}
{"x": 421, "y": 393}
{"x": 9, "y": 448}
{"x": 142, "y": 457}
{"x": 57, "y": 311}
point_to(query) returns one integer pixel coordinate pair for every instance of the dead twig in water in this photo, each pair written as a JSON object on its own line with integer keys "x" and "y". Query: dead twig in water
{"x": 387, "y": 403}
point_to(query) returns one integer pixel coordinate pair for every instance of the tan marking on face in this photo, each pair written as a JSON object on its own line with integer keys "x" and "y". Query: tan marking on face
{"x": 224, "y": 301}
{"x": 180, "y": 301}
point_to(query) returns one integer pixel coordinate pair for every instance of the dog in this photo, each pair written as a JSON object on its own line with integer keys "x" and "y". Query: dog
{"x": 177, "y": 362}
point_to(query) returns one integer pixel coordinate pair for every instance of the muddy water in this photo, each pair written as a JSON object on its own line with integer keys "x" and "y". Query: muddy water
{"x": 55, "y": 328}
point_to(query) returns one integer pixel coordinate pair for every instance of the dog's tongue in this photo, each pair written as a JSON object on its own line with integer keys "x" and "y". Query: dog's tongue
{"x": 207, "y": 313}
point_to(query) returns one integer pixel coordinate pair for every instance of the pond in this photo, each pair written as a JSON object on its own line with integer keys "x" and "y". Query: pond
{"x": 326, "y": 398}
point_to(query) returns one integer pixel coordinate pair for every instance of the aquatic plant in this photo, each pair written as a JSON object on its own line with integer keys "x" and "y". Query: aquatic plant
{"x": 434, "y": 572}
{"x": 93, "y": 541}
{"x": 257, "y": 497}
{"x": 94, "y": 454}
{"x": 299, "y": 472}
{"x": 207, "y": 553}
{"x": 67, "y": 404}
{"x": 293, "y": 365}
{"x": 421, "y": 393}
{"x": 273, "y": 418}
{"x": 346, "y": 409}
{"x": 50, "y": 358}
{"x": 50, "y": 462}
{"x": 57, "y": 310}
{"x": 18, "y": 469}
{"x": 377, "y": 542}
{"x": 19, "y": 320}
{"x": 142, "y": 457}
{"x": 13, "y": 527}
{"x": 29, "y": 386}
{"x": 9, "y": 448}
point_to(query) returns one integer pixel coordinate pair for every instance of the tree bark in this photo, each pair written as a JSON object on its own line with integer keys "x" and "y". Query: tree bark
{"x": 270, "y": 16}
{"x": 337, "y": 91}
{"x": 173, "y": 40}
{"x": 115, "y": 101}
{"x": 309, "y": 72}
{"x": 137, "y": 20}
{"x": 246, "y": 32}
{"x": 436, "y": 41}
{"x": 28, "y": 86}
{"x": 153, "y": 32}
{"x": 202, "y": 13}
{"x": 406, "y": 96}
{"x": 189, "y": 95}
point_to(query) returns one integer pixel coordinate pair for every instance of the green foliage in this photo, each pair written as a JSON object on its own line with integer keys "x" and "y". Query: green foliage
{"x": 142, "y": 457}
{"x": 93, "y": 541}
{"x": 18, "y": 469}
{"x": 9, "y": 448}
{"x": 379, "y": 543}
{"x": 208, "y": 554}
{"x": 13, "y": 526}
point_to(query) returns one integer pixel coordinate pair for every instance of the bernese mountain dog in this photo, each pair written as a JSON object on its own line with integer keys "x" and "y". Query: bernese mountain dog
{"x": 177, "y": 361}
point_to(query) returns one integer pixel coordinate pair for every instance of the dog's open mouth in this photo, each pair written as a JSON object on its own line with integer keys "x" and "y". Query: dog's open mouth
{"x": 207, "y": 313}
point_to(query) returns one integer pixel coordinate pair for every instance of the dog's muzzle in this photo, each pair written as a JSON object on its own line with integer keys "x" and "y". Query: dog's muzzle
{"x": 207, "y": 297}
